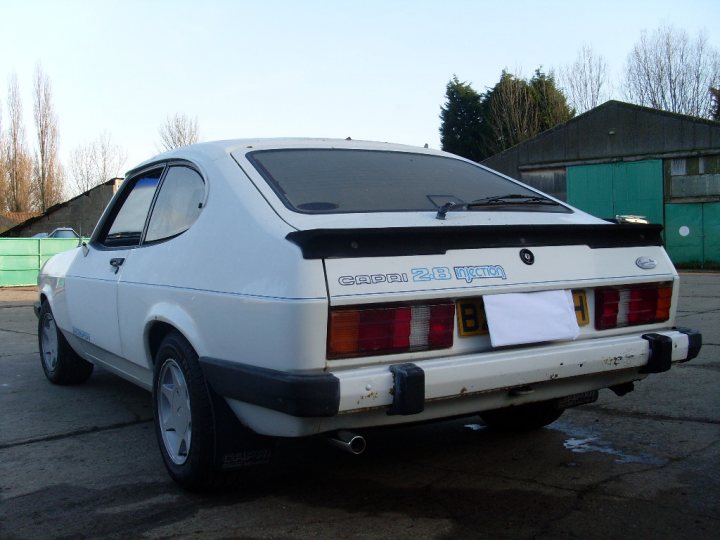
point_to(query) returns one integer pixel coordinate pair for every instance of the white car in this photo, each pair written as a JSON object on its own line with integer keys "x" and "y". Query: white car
{"x": 296, "y": 287}
{"x": 60, "y": 232}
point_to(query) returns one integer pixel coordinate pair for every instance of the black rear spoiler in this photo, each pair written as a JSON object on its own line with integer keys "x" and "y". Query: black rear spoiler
{"x": 402, "y": 241}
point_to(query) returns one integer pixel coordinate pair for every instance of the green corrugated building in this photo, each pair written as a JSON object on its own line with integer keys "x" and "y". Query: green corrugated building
{"x": 620, "y": 158}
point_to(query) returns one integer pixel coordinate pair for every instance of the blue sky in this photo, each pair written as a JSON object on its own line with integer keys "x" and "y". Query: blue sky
{"x": 367, "y": 69}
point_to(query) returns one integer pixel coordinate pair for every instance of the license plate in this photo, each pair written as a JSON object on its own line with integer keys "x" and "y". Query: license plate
{"x": 471, "y": 317}
{"x": 581, "y": 308}
{"x": 473, "y": 322}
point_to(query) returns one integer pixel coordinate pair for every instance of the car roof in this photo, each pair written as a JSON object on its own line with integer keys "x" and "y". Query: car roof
{"x": 218, "y": 149}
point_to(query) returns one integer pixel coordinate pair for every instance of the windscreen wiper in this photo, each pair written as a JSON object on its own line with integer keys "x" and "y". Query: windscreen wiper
{"x": 512, "y": 198}
{"x": 497, "y": 200}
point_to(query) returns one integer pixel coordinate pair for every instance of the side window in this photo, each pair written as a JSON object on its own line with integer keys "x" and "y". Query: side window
{"x": 178, "y": 204}
{"x": 126, "y": 227}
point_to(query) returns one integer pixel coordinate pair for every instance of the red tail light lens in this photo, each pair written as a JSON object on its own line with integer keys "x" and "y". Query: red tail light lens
{"x": 617, "y": 307}
{"x": 606, "y": 308}
{"x": 441, "y": 327}
{"x": 376, "y": 330}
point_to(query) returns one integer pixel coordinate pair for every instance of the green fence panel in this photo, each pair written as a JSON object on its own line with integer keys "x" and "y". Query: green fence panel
{"x": 19, "y": 262}
{"x": 21, "y": 258}
{"x": 51, "y": 246}
{"x": 19, "y": 246}
{"x": 16, "y": 278}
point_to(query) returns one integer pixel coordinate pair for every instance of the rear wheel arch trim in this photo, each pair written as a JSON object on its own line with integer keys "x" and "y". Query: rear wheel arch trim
{"x": 155, "y": 335}
{"x": 165, "y": 318}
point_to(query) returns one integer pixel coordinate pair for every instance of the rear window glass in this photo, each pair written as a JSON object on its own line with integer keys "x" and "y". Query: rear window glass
{"x": 322, "y": 181}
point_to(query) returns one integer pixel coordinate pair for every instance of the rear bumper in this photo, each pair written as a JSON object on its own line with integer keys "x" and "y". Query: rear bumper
{"x": 404, "y": 389}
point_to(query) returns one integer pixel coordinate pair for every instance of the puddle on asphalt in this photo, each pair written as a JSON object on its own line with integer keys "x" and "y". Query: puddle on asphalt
{"x": 584, "y": 441}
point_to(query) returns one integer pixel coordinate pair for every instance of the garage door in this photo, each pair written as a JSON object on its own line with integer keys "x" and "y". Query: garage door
{"x": 610, "y": 189}
{"x": 692, "y": 234}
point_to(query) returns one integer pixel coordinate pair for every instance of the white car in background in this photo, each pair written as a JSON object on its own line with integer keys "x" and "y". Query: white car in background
{"x": 297, "y": 287}
{"x": 60, "y": 232}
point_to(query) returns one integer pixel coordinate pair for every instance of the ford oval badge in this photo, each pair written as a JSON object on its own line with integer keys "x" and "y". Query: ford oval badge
{"x": 646, "y": 263}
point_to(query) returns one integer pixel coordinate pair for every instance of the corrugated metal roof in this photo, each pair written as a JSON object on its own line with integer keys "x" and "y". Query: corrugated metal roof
{"x": 613, "y": 131}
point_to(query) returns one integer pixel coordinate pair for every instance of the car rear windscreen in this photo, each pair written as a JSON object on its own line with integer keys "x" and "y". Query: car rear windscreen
{"x": 322, "y": 181}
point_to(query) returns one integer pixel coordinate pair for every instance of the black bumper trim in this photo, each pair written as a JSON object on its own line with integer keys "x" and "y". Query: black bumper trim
{"x": 296, "y": 394}
{"x": 694, "y": 342}
{"x": 660, "y": 353}
{"x": 408, "y": 389}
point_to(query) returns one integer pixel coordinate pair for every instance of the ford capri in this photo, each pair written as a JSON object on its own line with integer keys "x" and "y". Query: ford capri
{"x": 297, "y": 287}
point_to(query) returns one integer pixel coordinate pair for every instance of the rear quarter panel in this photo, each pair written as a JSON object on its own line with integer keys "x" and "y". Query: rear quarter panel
{"x": 231, "y": 284}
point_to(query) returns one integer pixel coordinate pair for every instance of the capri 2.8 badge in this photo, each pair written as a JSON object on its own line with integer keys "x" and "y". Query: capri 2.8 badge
{"x": 372, "y": 279}
{"x": 467, "y": 274}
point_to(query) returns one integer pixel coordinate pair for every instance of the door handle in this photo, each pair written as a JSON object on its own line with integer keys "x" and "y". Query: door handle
{"x": 117, "y": 263}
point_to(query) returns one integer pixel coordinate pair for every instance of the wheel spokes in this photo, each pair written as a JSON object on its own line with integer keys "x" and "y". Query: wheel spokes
{"x": 49, "y": 341}
{"x": 174, "y": 411}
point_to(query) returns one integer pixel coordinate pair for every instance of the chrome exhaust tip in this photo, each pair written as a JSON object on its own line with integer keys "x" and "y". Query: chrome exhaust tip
{"x": 348, "y": 441}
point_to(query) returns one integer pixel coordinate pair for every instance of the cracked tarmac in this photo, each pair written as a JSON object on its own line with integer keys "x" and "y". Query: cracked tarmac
{"x": 82, "y": 462}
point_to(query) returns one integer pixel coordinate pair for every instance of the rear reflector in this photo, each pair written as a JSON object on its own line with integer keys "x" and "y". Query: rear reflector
{"x": 616, "y": 307}
{"x": 376, "y": 330}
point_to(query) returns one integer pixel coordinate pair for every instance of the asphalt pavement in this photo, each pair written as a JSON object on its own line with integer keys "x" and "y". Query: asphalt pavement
{"x": 82, "y": 462}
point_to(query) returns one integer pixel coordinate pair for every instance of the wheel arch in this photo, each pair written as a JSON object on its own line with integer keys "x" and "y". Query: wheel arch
{"x": 52, "y": 292}
{"x": 166, "y": 318}
{"x": 156, "y": 333}
{"x": 45, "y": 294}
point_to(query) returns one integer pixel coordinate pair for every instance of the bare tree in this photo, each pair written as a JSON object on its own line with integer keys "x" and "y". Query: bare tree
{"x": 514, "y": 118}
{"x": 2, "y": 163}
{"x": 516, "y": 109}
{"x": 83, "y": 170}
{"x": 47, "y": 174}
{"x": 667, "y": 70}
{"x": 715, "y": 93}
{"x": 178, "y": 131}
{"x": 585, "y": 82}
{"x": 18, "y": 164}
{"x": 96, "y": 162}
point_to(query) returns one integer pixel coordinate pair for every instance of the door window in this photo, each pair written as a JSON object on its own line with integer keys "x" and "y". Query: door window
{"x": 172, "y": 209}
{"x": 128, "y": 222}
{"x": 178, "y": 204}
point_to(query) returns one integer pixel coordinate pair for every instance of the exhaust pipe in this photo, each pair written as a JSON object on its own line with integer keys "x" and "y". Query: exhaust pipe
{"x": 348, "y": 441}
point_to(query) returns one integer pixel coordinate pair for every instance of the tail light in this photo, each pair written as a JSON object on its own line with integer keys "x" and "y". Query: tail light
{"x": 616, "y": 307}
{"x": 375, "y": 330}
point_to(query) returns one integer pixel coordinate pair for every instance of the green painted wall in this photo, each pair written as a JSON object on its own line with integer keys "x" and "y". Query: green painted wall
{"x": 21, "y": 258}
{"x": 609, "y": 189}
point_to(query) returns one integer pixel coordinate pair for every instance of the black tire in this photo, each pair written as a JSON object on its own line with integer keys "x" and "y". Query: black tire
{"x": 523, "y": 417}
{"x": 183, "y": 414}
{"x": 60, "y": 363}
